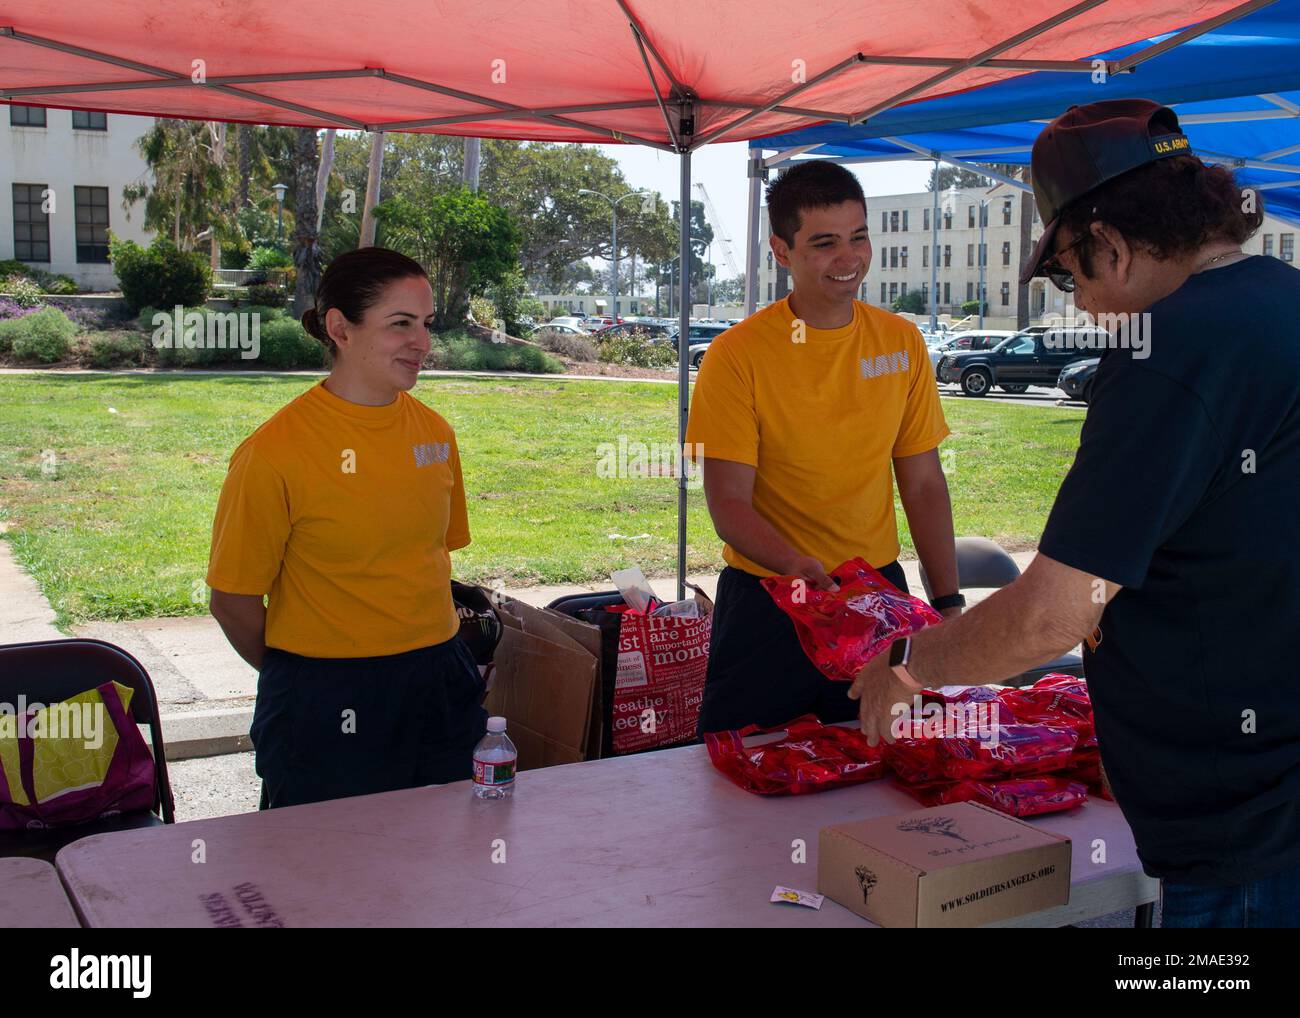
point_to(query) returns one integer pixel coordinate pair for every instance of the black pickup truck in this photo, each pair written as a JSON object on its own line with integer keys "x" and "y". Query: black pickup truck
{"x": 1020, "y": 361}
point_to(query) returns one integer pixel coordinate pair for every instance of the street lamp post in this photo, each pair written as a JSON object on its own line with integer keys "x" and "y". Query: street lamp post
{"x": 279, "y": 190}
{"x": 613, "y": 246}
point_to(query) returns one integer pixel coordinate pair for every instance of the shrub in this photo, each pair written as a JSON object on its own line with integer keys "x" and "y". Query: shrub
{"x": 160, "y": 275}
{"x": 270, "y": 258}
{"x": 972, "y": 307}
{"x": 44, "y": 336}
{"x": 109, "y": 349}
{"x": 636, "y": 349}
{"x": 268, "y": 296}
{"x": 456, "y": 351}
{"x": 286, "y": 344}
{"x": 483, "y": 311}
{"x": 12, "y": 309}
{"x": 576, "y": 348}
{"x": 22, "y": 290}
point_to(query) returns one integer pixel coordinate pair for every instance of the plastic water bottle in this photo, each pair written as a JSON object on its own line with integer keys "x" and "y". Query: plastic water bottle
{"x": 494, "y": 762}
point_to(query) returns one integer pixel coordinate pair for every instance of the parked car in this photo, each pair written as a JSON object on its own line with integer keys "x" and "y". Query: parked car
{"x": 960, "y": 341}
{"x": 569, "y": 321}
{"x": 1076, "y": 379}
{"x": 560, "y": 329}
{"x": 695, "y": 354}
{"x": 1014, "y": 364}
{"x": 700, "y": 333}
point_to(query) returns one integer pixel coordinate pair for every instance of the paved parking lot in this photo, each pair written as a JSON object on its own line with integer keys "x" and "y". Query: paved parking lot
{"x": 1033, "y": 396}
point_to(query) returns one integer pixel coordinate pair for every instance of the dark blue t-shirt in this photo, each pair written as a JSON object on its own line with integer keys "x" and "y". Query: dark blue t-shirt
{"x": 1186, "y": 490}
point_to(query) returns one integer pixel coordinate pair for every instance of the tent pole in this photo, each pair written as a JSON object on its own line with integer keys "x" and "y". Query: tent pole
{"x": 752, "y": 242}
{"x": 683, "y": 365}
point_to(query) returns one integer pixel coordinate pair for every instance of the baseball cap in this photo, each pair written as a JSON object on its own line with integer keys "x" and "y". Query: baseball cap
{"x": 1088, "y": 145}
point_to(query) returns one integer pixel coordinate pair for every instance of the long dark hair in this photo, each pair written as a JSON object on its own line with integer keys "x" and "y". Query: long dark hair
{"x": 352, "y": 282}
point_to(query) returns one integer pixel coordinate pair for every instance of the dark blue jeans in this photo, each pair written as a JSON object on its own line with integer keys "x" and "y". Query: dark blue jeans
{"x": 1270, "y": 903}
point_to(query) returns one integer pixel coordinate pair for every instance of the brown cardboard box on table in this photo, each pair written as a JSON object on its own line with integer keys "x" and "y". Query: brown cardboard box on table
{"x": 959, "y": 865}
{"x": 547, "y": 685}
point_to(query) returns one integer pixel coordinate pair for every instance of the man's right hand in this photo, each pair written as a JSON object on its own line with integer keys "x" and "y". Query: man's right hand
{"x": 810, "y": 569}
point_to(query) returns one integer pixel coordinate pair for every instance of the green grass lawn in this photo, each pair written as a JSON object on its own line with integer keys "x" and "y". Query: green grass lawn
{"x": 108, "y": 483}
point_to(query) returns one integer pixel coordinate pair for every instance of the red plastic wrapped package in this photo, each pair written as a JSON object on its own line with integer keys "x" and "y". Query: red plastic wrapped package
{"x": 841, "y": 630}
{"x": 1020, "y": 751}
{"x": 1024, "y": 797}
{"x": 915, "y": 761}
{"x": 811, "y": 758}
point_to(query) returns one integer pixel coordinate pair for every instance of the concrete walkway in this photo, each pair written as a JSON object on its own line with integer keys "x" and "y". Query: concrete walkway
{"x": 205, "y": 690}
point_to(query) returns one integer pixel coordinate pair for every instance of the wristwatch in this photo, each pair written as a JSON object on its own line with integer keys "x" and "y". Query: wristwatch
{"x": 900, "y": 653}
{"x": 948, "y": 601}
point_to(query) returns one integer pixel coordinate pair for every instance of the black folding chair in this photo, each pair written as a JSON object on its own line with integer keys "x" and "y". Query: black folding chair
{"x": 55, "y": 670}
{"x": 984, "y": 563}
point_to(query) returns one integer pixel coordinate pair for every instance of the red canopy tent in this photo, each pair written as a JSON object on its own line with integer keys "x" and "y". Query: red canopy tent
{"x": 672, "y": 74}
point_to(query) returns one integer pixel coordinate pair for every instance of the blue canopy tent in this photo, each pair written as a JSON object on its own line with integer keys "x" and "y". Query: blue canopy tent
{"x": 1236, "y": 90}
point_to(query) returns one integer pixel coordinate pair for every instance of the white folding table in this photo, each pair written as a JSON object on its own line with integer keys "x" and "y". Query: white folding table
{"x": 32, "y": 897}
{"x": 660, "y": 839}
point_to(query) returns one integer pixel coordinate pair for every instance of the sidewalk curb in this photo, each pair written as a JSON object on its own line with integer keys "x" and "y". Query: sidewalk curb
{"x": 207, "y": 732}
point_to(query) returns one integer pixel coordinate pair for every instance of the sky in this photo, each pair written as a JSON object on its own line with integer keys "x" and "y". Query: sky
{"x": 721, "y": 168}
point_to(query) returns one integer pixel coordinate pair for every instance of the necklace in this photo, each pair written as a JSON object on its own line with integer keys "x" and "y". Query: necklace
{"x": 1218, "y": 258}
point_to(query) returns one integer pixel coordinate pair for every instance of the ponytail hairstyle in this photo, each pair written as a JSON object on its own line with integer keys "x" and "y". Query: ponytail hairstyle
{"x": 353, "y": 282}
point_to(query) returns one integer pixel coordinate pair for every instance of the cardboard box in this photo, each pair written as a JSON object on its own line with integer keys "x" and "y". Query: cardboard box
{"x": 959, "y": 865}
{"x": 547, "y": 685}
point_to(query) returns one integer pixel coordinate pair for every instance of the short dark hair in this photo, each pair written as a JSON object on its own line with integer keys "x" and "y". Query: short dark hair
{"x": 352, "y": 282}
{"x": 1170, "y": 206}
{"x": 816, "y": 184}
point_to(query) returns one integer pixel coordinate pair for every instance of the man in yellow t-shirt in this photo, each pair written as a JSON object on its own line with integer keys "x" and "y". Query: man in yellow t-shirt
{"x": 798, "y": 414}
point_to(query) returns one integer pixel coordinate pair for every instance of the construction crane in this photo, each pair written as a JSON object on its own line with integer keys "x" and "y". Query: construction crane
{"x": 719, "y": 234}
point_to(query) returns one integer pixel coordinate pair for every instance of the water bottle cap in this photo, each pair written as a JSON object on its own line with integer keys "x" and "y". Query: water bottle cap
{"x": 496, "y": 724}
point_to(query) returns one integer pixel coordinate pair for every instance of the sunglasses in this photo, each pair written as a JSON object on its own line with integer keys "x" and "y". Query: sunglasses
{"x": 1061, "y": 277}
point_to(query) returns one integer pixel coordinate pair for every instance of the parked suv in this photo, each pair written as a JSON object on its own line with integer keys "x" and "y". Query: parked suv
{"x": 1020, "y": 361}
{"x": 701, "y": 334}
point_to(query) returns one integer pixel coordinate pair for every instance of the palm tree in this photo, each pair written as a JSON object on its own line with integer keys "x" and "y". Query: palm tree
{"x": 306, "y": 246}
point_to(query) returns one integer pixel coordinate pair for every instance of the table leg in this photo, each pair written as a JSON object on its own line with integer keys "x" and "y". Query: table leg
{"x": 1144, "y": 916}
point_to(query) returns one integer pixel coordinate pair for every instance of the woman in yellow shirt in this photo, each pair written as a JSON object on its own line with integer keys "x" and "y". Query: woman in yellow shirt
{"x": 343, "y": 509}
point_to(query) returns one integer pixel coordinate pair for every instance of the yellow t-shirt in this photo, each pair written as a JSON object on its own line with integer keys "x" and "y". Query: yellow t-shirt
{"x": 821, "y": 420}
{"x": 345, "y": 515}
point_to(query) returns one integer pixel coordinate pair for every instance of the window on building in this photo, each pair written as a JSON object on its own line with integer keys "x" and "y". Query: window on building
{"x": 947, "y": 293}
{"x": 92, "y": 223}
{"x": 1006, "y": 252}
{"x": 884, "y": 222}
{"x": 862, "y": 291}
{"x": 893, "y": 257}
{"x": 970, "y": 291}
{"x": 947, "y": 256}
{"x": 1286, "y": 246}
{"x": 984, "y": 254}
{"x": 1268, "y": 243}
{"x": 947, "y": 220}
{"x": 882, "y": 293}
{"x": 31, "y": 225}
{"x": 970, "y": 215}
{"x": 902, "y": 289}
{"x": 1006, "y": 211}
{"x": 1006, "y": 293}
{"x": 902, "y": 256}
{"x": 27, "y": 116}
{"x": 970, "y": 254}
{"x": 925, "y": 219}
{"x": 925, "y": 293}
{"x": 893, "y": 221}
{"x": 84, "y": 120}
{"x": 893, "y": 292}
{"x": 769, "y": 293}
{"x": 904, "y": 220}
{"x": 984, "y": 214}
{"x": 769, "y": 260}
{"x": 925, "y": 257}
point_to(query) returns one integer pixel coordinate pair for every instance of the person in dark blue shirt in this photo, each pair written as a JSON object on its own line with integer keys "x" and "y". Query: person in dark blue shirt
{"x": 1173, "y": 547}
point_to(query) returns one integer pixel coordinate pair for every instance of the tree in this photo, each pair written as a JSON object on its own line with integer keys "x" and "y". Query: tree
{"x": 965, "y": 178}
{"x": 463, "y": 241}
{"x": 912, "y": 302}
{"x": 192, "y": 188}
{"x": 306, "y": 250}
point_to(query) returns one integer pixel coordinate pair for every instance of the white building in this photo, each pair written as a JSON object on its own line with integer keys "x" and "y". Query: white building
{"x": 901, "y": 238}
{"x": 61, "y": 178}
